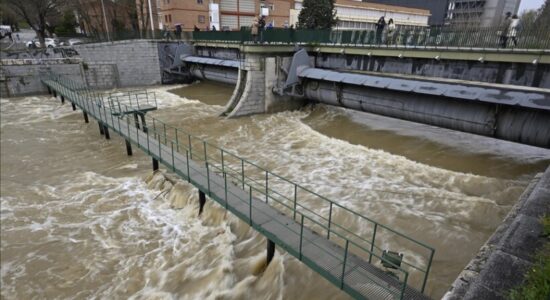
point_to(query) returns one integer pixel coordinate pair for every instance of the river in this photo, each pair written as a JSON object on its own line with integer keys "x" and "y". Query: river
{"x": 80, "y": 219}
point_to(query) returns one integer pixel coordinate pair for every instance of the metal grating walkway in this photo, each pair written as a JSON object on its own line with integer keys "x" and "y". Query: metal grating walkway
{"x": 333, "y": 259}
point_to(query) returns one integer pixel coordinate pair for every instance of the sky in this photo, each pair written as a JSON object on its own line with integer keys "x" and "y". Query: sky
{"x": 530, "y": 4}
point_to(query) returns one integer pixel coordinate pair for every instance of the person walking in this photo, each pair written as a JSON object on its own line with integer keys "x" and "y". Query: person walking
{"x": 391, "y": 32}
{"x": 254, "y": 30}
{"x": 261, "y": 27}
{"x": 380, "y": 25}
{"x": 504, "y": 27}
{"x": 513, "y": 30}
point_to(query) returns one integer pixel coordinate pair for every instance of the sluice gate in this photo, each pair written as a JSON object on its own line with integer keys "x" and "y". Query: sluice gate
{"x": 510, "y": 113}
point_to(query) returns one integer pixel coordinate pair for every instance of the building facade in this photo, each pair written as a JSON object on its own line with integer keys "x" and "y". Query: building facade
{"x": 364, "y": 15}
{"x": 479, "y": 13}
{"x": 222, "y": 14}
{"x": 437, "y": 8}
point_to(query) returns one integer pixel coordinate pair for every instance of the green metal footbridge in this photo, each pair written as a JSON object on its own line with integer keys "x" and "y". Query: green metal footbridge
{"x": 372, "y": 261}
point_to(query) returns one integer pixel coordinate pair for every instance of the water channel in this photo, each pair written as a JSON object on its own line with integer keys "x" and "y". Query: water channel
{"x": 81, "y": 219}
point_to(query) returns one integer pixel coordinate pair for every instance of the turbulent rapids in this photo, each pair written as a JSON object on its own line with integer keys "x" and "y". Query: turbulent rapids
{"x": 81, "y": 219}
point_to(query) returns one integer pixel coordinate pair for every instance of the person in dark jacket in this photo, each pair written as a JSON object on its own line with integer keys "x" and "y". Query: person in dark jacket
{"x": 380, "y": 25}
{"x": 504, "y": 27}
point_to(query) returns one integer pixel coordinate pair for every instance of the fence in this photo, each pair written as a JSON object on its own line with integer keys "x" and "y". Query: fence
{"x": 413, "y": 37}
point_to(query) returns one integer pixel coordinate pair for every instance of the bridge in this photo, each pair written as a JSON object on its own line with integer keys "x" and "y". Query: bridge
{"x": 274, "y": 206}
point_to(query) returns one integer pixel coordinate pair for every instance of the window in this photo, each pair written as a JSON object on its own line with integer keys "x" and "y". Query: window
{"x": 202, "y": 19}
{"x": 166, "y": 18}
{"x": 170, "y": 18}
{"x": 199, "y": 1}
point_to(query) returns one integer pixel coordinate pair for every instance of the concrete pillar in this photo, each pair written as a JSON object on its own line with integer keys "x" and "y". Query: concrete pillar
{"x": 202, "y": 201}
{"x": 54, "y": 94}
{"x": 85, "y": 117}
{"x": 155, "y": 164}
{"x": 73, "y": 105}
{"x": 49, "y": 90}
{"x": 101, "y": 128}
{"x": 270, "y": 250}
{"x": 128, "y": 148}
{"x": 62, "y": 99}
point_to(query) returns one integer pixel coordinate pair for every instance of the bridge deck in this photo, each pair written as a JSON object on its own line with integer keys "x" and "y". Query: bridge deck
{"x": 358, "y": 278}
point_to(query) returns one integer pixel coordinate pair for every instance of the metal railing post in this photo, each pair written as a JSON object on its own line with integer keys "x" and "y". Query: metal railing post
{"x": 188, "y": 173}
{"x": 329, "y": 220}
{"x": 301, "y": 235}
{"x": 295, "y": 201}
{"x": 372, "y": 241}
{"x": 208, "y": 178}
{"x": 427, "y": 271}
{"x": 250, "y": 204}
{"x": 344, "y": 265}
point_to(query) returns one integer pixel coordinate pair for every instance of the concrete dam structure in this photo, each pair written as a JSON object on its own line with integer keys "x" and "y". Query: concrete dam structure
{"x": 267, "y": 82}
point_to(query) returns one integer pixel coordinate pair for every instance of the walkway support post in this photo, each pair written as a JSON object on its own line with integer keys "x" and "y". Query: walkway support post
{"x": 202, "y": 201}
{"x": 155, "y": 164}
{"x": 54, "y": 94}
{"x": 136, "y": 120}
{"x": 270, "y": 250}
{"x": 85, "y": 117}
{"x": 49, "y": 90}
{"x": 128, "y": 147}
{"x": 73, "y": 105}
{"x": 106, "y": 131}
{"x": 101, "y": 128}
{"x": 143, "y": 124}
{"x": 62, "y": 99}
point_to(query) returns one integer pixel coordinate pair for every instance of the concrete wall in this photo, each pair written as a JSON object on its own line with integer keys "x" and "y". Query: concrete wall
{"x": 22, "y": 76}
{"x": 136, "y": 62}
{"x": 101, "y": 65}
{"x": 508, "y": 254}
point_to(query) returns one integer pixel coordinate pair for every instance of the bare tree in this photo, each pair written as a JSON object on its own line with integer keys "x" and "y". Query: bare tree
{"x": 37, "y": 13}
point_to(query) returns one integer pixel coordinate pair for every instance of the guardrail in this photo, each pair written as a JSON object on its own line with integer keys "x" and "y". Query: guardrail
{"x": 131, "y": 101}
{"x": 411, "y": 37}
{"x": 359, "y": 235}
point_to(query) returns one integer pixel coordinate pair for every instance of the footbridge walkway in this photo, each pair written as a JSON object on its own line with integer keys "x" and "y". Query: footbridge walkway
{"x": 364, "y": 258}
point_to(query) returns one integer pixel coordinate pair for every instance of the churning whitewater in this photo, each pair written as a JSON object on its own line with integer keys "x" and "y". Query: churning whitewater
{"x": 81, "y": 219}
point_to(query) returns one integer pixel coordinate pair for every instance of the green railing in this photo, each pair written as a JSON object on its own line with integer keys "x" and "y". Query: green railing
{"x": 358, "y": 235}
{"x": 403, "y": 36}
{"x": 131, "y": 101}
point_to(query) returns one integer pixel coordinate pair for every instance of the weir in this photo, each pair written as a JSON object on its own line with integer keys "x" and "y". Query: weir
{"x": 270, "y": 82}
{"x": 377, "y": 263}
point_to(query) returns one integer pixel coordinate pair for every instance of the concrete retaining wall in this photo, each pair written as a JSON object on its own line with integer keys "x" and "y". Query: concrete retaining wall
{"x": 101, "y": 65}
{"x": 20, "y": 77}
{"x": 501, "y": 263}
{"x": 123, "y": 63}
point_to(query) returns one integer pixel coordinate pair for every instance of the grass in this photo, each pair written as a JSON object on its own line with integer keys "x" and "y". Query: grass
{"x": 536, "y": 284}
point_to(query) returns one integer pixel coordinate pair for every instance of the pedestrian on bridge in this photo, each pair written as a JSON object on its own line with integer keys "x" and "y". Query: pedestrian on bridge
{"x": 380, "y": 25}
{"x": 391, "y": 32}
{"x": 513, "y": 30}
{"x": 504, "y": 27}
{"x": 254, "y": 30}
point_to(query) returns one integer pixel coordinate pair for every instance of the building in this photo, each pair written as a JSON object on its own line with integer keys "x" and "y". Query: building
{"x": 437, "y": 8}
{"x": 364, "y": 15}
{"x": 223, "y": 14}
{"x": 479, "y": 13}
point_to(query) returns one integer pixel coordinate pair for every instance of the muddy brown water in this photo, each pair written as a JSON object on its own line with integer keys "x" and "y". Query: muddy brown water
{"x": 81, "y": 219}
